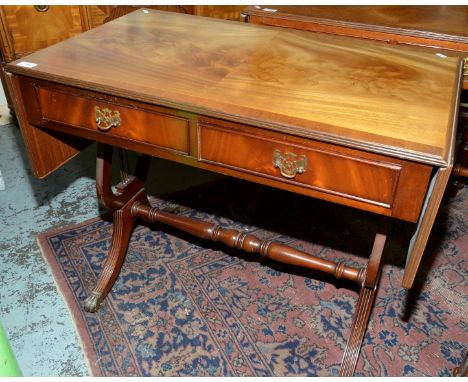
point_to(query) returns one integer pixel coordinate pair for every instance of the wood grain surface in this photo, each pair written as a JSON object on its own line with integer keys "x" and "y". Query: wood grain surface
{"x": 145, "y": 126}
{"x": 359, "y": 177}
{"x": 442, "y": 22}
{"x": 367, "y": 95}
{"x": 432, "y": 29}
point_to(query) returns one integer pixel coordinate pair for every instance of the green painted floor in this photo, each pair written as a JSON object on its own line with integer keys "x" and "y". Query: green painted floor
{"x": 33, "y": 313}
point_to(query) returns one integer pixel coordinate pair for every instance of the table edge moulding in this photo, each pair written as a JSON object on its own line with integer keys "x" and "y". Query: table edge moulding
{"x": 313, "y": 114}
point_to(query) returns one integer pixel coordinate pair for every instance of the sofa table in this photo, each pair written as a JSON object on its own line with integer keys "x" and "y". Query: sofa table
{"x": 325, "y": 116}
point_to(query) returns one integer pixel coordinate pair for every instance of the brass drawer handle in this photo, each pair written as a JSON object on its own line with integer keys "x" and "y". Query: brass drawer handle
{"x": 465, "y": 66}
{"x": 106, "y": 118}
{"x": 290, "y": 164}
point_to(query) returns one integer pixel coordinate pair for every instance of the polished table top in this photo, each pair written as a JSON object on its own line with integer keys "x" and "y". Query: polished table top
{"x": 363, "y": 94}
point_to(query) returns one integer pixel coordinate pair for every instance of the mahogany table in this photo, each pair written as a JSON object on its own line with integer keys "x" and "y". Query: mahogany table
{"x": 325, "y": 116}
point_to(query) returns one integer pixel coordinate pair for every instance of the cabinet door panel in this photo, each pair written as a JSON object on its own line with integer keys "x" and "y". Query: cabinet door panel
{"x": 29, "y": 29}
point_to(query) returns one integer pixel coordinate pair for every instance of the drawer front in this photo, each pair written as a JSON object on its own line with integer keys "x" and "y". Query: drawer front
{"x": 346, "y": 173}
{"x": 115, "y": 119}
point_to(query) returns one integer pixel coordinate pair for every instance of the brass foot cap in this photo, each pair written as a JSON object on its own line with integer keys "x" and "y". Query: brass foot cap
{"x": 92, "y": 302}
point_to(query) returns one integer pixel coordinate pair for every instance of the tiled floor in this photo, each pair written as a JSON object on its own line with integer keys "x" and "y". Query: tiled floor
{"x": 32, "y": 311}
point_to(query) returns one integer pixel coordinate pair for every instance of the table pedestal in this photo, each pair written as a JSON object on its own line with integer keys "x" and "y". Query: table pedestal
{"x": 130, "y": 202}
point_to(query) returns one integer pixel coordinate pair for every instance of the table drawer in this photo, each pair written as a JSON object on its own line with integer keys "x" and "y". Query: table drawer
{"x": 115, "y": 119}
{"x": 389, "y": 183}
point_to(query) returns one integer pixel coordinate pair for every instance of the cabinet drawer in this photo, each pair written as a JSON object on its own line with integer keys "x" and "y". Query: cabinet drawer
{"x": 115, "y": 119}
{"x": 392, "y": 184}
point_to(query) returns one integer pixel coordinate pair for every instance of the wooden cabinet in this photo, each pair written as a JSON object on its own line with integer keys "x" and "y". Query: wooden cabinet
{"x": 27, "y": 28}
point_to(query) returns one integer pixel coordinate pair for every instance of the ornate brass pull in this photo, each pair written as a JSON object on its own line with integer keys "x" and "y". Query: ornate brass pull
{"x": 290, "y": 164}
{"x": 106, "y": 118}
{"x": 465, "y": 66}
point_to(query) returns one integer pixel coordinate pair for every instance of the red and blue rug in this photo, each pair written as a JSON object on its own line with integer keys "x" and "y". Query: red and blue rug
{"x": 186, "y": 307}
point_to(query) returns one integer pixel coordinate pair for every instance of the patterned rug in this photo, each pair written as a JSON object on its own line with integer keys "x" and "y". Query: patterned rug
{"x": 186, "y": 307}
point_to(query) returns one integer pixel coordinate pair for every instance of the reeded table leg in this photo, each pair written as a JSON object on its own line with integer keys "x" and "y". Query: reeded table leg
{"x": 460, "y": 169}
{"x": 128, "y": 194}
{"x": 121, "y": 232}
{"x": 363, "y": 307}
